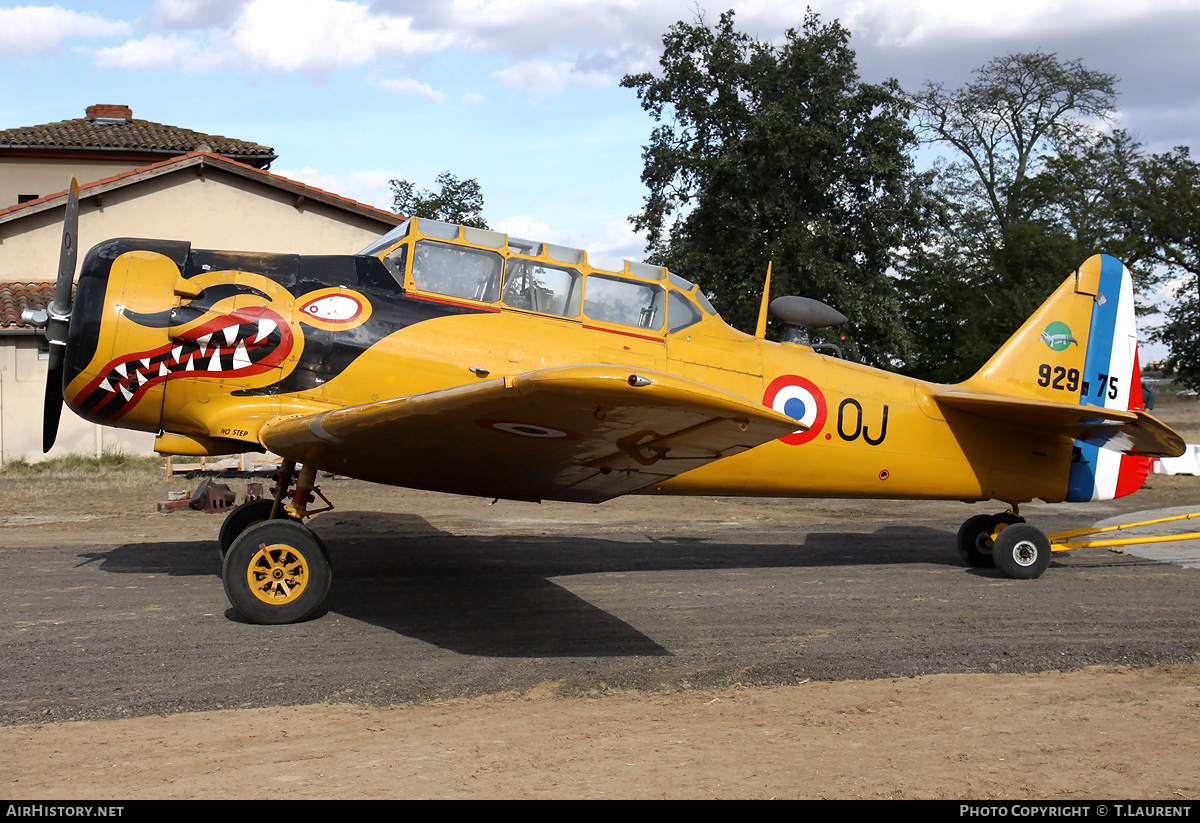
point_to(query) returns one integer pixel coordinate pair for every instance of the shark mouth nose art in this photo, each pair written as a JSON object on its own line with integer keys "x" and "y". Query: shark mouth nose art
{"x": 245, "y": 342}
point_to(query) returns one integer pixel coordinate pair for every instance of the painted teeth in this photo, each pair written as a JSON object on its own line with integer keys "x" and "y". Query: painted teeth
{"x": 265, "y": 327}
{"x": 228, "y": 352}
{"x": 241, "y": 358}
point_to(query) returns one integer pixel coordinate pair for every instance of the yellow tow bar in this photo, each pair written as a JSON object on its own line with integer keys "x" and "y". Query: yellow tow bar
{"x": 1064, "y": 541}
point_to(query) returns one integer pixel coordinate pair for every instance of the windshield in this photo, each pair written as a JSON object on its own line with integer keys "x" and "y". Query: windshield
{"x": 388, "y": 239}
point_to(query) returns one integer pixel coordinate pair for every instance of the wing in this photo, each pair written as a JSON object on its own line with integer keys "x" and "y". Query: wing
{"x": 581, "y": 433}
{"x": 1132, "y": 432}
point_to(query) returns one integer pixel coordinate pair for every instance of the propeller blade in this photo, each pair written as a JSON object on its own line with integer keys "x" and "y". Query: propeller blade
{"x": 52, "y": 410}
{"x": 58, "y": 322}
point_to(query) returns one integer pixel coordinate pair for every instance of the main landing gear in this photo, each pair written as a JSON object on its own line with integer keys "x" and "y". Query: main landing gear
{"x": 1006, "y": 542}
{"x": 276, "y": 569}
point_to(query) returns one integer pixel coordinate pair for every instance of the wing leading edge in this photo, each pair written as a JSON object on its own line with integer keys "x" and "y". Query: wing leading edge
{"x": 579, "y": 433}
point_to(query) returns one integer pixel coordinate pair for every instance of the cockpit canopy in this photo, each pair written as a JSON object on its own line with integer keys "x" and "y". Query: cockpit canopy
{"x": 465, "y": 263}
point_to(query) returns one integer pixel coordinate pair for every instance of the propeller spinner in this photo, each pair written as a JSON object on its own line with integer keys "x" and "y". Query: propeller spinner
{"x": 56, "y": 319}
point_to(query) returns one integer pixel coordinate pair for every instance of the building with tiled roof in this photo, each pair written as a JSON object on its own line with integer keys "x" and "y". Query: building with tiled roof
{"x": 16, "y": 297}
{"x": 107, "y": 141}
{"x": 155, "y": 187}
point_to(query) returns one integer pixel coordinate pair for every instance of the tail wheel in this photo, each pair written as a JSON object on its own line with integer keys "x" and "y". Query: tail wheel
{"x": 276, "y": 572}
{"x": 975, "y": 537}
{"x": 1022, "y": 552}
{"x": 240, "y": 518}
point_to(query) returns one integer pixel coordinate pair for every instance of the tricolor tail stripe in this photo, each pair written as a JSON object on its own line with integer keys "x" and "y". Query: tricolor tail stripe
{"x": 1112, "y": 379}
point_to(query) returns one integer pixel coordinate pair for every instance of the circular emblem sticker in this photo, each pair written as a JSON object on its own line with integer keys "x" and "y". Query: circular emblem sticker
{"x": 1058, "y": 336}
{"x": 523, "y": 429}
{"x": 801, "y": 400}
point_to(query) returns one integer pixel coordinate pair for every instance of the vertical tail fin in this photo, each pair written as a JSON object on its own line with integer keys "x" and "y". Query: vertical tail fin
{"x": 1079, "y": 347}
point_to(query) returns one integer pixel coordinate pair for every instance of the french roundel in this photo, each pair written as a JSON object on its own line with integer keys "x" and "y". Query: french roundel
{"x": 801, "y": 400}
{"x": 524, "y": 429}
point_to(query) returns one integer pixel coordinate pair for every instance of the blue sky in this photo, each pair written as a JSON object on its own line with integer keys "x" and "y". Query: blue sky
{"x": 521, "y": 95}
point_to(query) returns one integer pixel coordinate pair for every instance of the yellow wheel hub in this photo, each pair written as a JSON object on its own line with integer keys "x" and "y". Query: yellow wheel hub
{"x": 278, "y": 574}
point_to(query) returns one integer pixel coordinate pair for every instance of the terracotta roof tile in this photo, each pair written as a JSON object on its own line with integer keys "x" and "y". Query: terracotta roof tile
{"x": 108, "y": 132}
{"x": 345, "y": 202}
{"x": 17, "y": 296}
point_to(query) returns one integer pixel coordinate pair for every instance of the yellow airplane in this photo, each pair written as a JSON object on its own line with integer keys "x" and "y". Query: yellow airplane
{"x": 463, "y": 360}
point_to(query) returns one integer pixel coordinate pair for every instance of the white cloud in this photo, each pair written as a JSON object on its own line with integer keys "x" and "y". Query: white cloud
{"x": 28, "y": 30}
{"x": 909, "y": 22}
{"x": 607, "y": 245}
{"x": 410, "y": 88}
{"x": 370, "y": 186}
{"x": 527, "y": 228}
{"x": 536, "y": 78}
{"x": 471, "y": 98}
{"x": 157, "y": 52}
{"x": 193, "y": 14}
{"x": 541, "y": 78}
{"x": 325, "y": 35}
{"x": 611, "y": 244}
{"x": 316, "y": 36}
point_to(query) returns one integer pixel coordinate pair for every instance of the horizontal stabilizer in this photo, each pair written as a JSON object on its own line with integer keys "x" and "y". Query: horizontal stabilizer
{"x": 1131, "y": 432}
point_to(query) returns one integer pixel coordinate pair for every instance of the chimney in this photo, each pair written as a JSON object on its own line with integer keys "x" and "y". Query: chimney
{"x": 109, "y": 113}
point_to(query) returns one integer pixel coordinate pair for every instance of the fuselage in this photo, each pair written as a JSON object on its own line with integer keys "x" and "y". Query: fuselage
{"x": 205, "y": 348}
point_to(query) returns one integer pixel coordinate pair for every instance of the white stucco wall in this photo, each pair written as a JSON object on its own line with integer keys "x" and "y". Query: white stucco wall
{"x": 216, "y": 211}
{"x": 22, "y": 392}
{"x": 41, "y": 176}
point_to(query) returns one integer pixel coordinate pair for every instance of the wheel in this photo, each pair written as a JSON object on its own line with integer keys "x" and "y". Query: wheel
{"x": 1022, "y": 552}
{"x": 242, "y": 517}
{"x": 975, "y": 537}
{"x": 974, "y": 541}
{"x": 277, "y": 571}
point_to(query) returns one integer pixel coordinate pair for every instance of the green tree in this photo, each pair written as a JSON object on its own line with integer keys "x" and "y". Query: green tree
{"x": 1029, "y": 190}
{"x": 1166, "y": 207}
{"x": 455, "y": 201}
{"x": 778, "y": 153}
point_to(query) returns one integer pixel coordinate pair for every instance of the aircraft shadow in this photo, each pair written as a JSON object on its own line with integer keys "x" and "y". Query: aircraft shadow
{"x": 497, "y": 596}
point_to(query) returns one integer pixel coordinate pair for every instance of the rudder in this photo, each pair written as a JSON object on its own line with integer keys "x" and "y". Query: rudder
{"x": 1079, "y": 347}
{"x": 1112, "y": 379}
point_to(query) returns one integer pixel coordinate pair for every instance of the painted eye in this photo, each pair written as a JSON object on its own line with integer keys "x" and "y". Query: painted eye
{"x": 333, "y": 308}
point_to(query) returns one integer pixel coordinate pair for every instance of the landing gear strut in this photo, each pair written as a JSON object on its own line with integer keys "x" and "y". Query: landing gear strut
{"x": 275, "y": 569}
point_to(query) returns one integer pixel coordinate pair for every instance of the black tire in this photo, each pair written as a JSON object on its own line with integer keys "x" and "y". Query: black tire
{"x": 277, "y": 572}
{"x": 242, "y": 517}
{"x": 975, "y": 538}
{"x": 1022, "y": 552}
